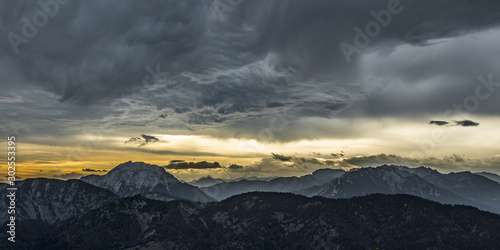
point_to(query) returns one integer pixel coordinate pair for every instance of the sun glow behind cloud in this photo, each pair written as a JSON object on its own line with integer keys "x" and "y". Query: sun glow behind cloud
{"x": 404, "y": 138}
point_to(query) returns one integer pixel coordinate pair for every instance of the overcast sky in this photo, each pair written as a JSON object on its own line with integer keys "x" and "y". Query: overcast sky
{"x": 91, "y": 84}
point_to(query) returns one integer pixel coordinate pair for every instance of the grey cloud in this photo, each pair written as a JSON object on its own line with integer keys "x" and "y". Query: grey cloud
{"x": 94, "y": 170}
{"x": 143, "y": 140}
{"x": 341, "y": 154}
{"x": 285, "y": 127}
{"x": 297, "y": 160}
{"x": 463, "y": 123}
{"x": 442, "y": 79}
{"x": 269, "y": 167}
{"x": 310, "y": 160}
{"x": 176, "y": 161}
{"x": 439, "y": 123}
{"x": 193, "y": 165}
{"x": 281, "y": 157}
{"x": 467, "y": 123}
{"x": 149, "y": 138}
{"x": 235, "y": 167}
{"x": 456, "y": 158}
{"x": 136, "y": 35}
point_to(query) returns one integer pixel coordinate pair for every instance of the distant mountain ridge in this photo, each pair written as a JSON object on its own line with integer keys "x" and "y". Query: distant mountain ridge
{"x": 138, "y": 205}
{"x": 453, "y": 188}
{"x": 482, "y": 191}
{"x": 227, "y": 189}
{"x": 52, "y": 200}
{"x": 206, "y": 181}
{"x": 394, "y": 180}
{"x": 491, "y": 176}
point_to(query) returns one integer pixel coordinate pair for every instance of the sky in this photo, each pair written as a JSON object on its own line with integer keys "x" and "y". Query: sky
{"x": 264, "y": 88}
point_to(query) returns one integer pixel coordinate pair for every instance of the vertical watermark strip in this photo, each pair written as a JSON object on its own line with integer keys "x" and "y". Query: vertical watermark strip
{"x": 11, "y": 177}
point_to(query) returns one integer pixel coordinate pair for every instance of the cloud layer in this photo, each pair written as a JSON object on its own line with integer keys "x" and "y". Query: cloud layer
{"x": 268, "y": 70}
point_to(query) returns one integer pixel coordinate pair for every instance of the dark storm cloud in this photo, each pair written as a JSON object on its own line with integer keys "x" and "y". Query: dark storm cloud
{"x": 94, "y": 170}
{"x": 308, "y": 160}
{"x": 193, "y": 165}
{"x": 463, "y": 123}
{"x": 176, "y": 161}
{"x": 281, "y": 157}
{"x": 296, "y": 160}
{"x": 467, "y": 123}
{"x": 150, "y": 139}
{"x": 235, "y": 167}
{"x": 439, "y": 123}
{"x": 341, "y": 154}
{"x": 200, "y": 68}
{"x": 134, "y": 140}
{"x": 456, "y": 158}
{"x": 449, "y": 79}
{"x": 143, "y": 140}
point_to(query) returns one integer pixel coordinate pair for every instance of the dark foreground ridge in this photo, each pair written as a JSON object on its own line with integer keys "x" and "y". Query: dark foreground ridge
{"x": 268, "y": 221}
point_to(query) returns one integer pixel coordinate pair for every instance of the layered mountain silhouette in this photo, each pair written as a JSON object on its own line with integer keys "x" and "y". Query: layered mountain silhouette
{"x": 491, "y": 176}
{"x": 454, "y": 188}
{"x": 139, "y": 205}
{"x": 269, "y": 221}
{"x": 206, "y": 182}
{"x": 227, "y": 189}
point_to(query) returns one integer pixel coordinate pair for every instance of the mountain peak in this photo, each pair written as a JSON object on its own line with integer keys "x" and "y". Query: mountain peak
{"x": 142, "y": 168}
{"x": 132, "y": 178}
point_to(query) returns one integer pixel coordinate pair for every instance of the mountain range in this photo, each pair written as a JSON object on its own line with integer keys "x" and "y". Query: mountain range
{"x": 491, "y": 176}
{"x": 269, "y": 221}
{"x": 454, "y": 188}
{"x": 227, "y": 189}
{"x": 141, "y": 205}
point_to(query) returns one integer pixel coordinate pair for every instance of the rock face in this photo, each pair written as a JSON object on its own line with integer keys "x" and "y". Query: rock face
{"x": 152, "y": 181}
{"x": 53, "y": 200}
{"x": 271, "y": 221}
